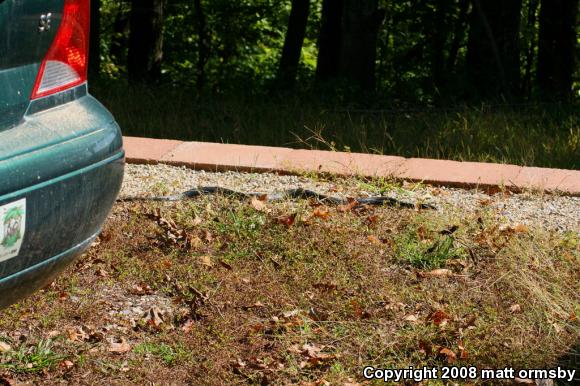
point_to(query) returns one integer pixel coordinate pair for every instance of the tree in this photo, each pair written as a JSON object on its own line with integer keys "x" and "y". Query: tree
{"x": 530, "y": 29}
{"x": 348, "y": 42}
{"x": 458, "y": 34}
{"x": 145, "y": 40}
{"x": 493, "y": 53}
{"x": 293, "y": 42}
{"x": 438, "y": 36}
{"x": 557, "y": 43}
{"x": 329, "y": 40}
{"x": 360, "y": 27}
{"x": 203, "y": 42}
{"x": 95, "y": 40}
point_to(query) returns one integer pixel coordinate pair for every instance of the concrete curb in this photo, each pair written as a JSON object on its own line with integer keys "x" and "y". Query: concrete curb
{"x": 223, "y": 157}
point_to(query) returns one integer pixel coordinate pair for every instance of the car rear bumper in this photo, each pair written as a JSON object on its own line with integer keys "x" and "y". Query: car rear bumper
{"x": 66, "y": 164}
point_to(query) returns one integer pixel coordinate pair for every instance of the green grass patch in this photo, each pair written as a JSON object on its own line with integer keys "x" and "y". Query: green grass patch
{"x": 31, "y": 358}
{"x": 169, "y": 354}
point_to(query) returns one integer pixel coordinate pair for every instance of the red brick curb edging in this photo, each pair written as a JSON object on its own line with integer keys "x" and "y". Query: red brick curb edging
{"x": 223, "y": 157}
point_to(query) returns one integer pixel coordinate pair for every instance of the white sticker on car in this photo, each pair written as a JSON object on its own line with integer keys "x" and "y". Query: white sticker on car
{"x": 12, "y": 228}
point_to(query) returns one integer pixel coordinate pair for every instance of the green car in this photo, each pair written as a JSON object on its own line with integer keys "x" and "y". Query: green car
{"x": 61, "y": 151}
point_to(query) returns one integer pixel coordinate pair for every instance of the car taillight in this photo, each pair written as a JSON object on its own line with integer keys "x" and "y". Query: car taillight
{"x": 65, "y": 64}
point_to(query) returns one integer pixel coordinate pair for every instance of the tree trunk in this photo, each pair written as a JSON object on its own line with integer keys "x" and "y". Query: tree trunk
{"x": 95, "y": 41}
{"x": 530, "y": 50}
{"x": 329, "y": 40}
{"x": 556, "y": 48}
{"x": 145, "y": 40}
{"x": 119, "y": 39}
{"x": 361, "y": 22}
{"x": 439, "y": 34}
{"x": 458, "y": 35}
{"x": 204, "y": 43}
{"x": 493, "y": 53}
{"x": 290, "y": 58}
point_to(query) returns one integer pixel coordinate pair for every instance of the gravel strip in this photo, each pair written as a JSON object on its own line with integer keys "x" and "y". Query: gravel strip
{"x": 552, "y": 212}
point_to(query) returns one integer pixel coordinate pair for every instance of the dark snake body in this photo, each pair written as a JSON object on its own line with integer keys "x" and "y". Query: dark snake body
{"x": 297, "y": 193}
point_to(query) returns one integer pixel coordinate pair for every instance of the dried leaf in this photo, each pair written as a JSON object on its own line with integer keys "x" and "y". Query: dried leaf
{"x": 287, "y": 220}
{"x": 515, "y": 308}
{"x": 290, "y": 314}
{"x": 440, "y": 272}
{"x": 325, "y": 286}
{"x": 153, "y": 317}
{"x": 439, "y": 317}
{"x": 66, "y": 364}
{"x": 372, "y": 219}
{"x": 205, "y": 260}
{"x": 5, "y": 347}
{"x": 511, "y": 229}
{"x": 141, "y": 289}
{"x": 462, "y": 352}
{"x": 207, "y": 236}
{"x": 102, "y": 273}
{"x": 373, "y": 239}
{"x": 196, "y": 221}
{"x": 313, "y": 353}
{"x": 450, "y": 355}
{"x": 422, "y": 233}
{"x": 188, "y": 326}
{"x": 258, "y": 204}
{"x": 520, "y": 228}
{"x": 321, "y": 212}
{"x": 347, "y": 207}
{"x": 238, "y": 364}
{"x": 411, "y": 319}
{"x": 120, "y": 347}
{"x": 359, "y": 311}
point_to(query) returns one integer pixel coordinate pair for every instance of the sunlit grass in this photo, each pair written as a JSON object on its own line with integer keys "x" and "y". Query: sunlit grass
{"x": 544, "y": 135}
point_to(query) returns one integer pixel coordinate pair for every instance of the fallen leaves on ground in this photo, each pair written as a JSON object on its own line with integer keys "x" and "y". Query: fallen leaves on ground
{"x": 439, "y": 272}
{"x": 321, "y": 212}
{"x": 312, "y": 354}
{"x": 287, "y": 220}
{"x": 119, "y": 346}
{"x": 439, "y": 318}
{"x": 5, "y": 347}
{"x": 259, "y": 205}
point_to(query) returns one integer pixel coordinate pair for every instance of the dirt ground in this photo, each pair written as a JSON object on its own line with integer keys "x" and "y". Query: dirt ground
{"x": 216, "y": 291}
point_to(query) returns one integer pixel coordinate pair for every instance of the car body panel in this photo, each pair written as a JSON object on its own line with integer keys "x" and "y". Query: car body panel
{"x": 61, "y": 158}
{"x": 83, "y": 130}
{"x": 63, "y": 217}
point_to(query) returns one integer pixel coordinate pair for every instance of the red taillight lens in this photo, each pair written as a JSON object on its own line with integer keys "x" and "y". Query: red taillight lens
{"x": 65, "y": 64}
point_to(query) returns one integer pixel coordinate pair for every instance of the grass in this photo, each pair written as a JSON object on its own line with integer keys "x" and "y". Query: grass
{"x": 532, "y": 135}
{"x": 170, "y": 355}
{"x": 31, "y": 358}
{"x": 297, "y": 293}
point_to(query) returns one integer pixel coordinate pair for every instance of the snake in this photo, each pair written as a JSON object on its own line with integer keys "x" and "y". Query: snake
{"x": 296, "y": 193}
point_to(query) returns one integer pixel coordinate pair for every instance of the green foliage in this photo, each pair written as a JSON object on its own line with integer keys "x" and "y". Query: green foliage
{"x": 421, "y": 46}
{"x": 425, "y": 253}
{"x": 420, "y": 106}
{"x": 168, "y": 354}
{"x": 30, "y": 358}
